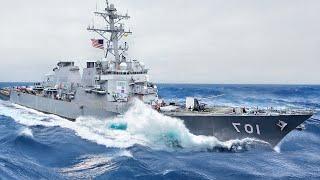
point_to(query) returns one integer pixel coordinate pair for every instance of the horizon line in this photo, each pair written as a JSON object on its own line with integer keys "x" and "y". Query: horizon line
{"x": 191, "y": 83}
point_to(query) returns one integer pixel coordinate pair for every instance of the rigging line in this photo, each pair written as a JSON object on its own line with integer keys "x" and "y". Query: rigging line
{"x": 101, "y": 34}
{"x": 120, "y": 19}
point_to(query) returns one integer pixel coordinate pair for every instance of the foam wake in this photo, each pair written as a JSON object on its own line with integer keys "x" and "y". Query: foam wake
{"x": 140, "y": 125}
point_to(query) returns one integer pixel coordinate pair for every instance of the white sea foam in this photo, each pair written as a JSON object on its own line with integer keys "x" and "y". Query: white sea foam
{"x": 144, "y": 126}
{"x": 277, "y": 148}
{"x": 89, "y": 167}
{"x": 27, "y": 132}
{"x": 125, "y": 153}
{"x": 160, "y": 130}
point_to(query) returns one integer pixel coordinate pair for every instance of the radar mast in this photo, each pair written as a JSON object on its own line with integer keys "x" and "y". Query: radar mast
{"x": 115, "y": 28}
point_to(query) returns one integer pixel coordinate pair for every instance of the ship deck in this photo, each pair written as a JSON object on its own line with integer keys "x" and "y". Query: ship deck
{"x": 230, "y": 111}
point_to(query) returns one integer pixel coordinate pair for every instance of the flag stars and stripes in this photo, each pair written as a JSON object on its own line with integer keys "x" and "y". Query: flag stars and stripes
{"x": 98, "y": 43}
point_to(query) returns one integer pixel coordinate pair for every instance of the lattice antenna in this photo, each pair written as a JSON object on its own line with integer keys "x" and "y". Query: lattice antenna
{"x": 115, "y": 28}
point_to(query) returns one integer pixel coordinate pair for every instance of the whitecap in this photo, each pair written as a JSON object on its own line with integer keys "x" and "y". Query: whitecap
{"x": 26, "y": 132}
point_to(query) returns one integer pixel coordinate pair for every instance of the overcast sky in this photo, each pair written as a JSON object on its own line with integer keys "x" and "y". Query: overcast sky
{"x": 183, "y": 41}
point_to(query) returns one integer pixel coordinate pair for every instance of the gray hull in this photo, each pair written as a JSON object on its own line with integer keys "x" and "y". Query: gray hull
{"x": 4, "y": 97}
{"x": 95, "y": 107}
{"x": 224, "y": 127}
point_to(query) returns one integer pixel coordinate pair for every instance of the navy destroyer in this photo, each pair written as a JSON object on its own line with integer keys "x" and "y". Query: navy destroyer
{"x": 108, "y": 87}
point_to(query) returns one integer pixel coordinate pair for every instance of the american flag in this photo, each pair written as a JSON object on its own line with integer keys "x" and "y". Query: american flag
{"x": 97, "y": 43}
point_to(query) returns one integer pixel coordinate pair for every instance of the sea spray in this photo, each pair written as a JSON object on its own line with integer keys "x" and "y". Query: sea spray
{"x": 158, "y": 129}
{"x": 140, "y": 125}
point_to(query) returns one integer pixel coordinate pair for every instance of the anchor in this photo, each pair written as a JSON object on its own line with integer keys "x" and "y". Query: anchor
{"x": 282, "y": 125}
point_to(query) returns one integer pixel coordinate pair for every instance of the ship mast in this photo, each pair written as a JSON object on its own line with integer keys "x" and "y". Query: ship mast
{"x": 116, "y": 30}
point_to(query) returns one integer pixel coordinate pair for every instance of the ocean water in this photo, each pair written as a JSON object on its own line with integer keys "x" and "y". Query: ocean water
{"x": 143, "y": 144}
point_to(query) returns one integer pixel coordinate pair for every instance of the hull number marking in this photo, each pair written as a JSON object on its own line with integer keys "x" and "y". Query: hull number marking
{"x": 248, "y": 128}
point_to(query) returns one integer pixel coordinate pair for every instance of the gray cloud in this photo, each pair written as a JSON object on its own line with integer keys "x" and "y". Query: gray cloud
{"x": 207, "y": 41}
